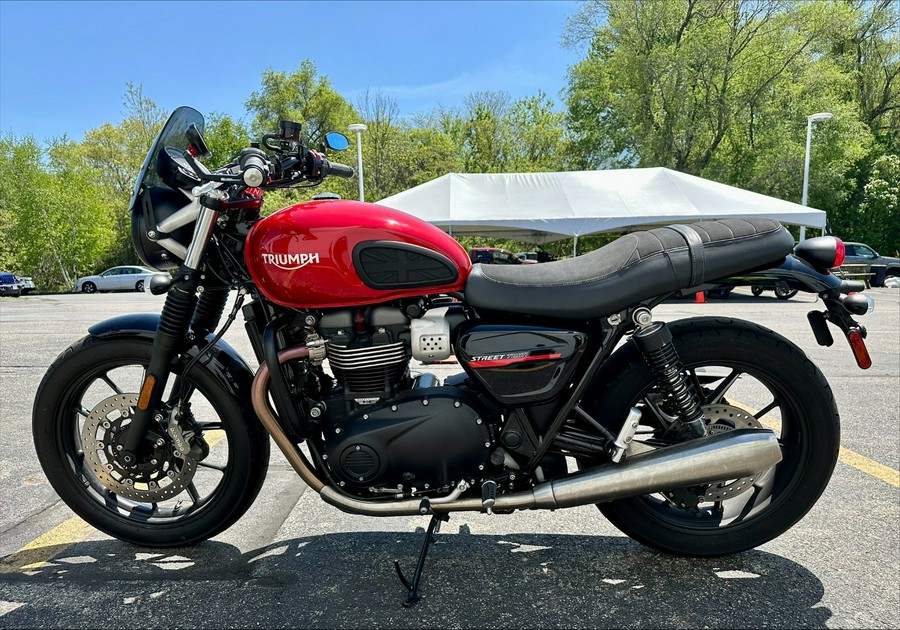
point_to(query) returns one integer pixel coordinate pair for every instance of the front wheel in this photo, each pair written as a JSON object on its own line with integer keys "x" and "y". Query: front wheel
{"x": 81, "y": 418}
{"x": 748, "y": 377}
{"x": 756, "y": 289}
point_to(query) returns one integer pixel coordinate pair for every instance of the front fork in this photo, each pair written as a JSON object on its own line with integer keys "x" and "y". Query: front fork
{"x": 174, "y": 322}
{"x": 654, "y": 340}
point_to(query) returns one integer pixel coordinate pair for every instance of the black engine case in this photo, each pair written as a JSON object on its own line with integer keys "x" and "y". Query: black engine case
{"x": 433, "y": 436}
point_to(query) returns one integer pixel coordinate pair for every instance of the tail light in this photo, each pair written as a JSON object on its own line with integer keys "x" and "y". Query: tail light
{"x": 822, "y": 252}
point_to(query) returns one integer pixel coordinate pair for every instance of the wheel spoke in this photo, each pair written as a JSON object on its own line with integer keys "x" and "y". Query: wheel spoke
{"x": 83, "y": 411}
{"x": 192, "y": 492}
{"x": 105, "y": 378}
{"x": 211, "y": 426}
{"x": 759, "y": 414}
{"x": 211, "y": 466}
{"x": 723, "y": 387}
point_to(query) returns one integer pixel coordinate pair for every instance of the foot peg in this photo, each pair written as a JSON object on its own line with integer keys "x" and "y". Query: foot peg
{"x": 626, "y": 434}
{"x": 489, "y": 495}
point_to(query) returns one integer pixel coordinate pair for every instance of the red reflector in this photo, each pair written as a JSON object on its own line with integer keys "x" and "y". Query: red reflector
{"x": 839, "y": 252}
{"x": 860, "y": 352}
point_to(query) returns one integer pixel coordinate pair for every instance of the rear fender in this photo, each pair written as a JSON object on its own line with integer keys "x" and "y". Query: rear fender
{"x": 222, "y": 361}
{"x": 796, "y": 274}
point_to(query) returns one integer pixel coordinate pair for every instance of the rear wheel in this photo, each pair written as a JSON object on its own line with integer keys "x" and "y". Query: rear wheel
{"x": 756, "y": 290}
{"x": 81, "y": 419}
{"x": 749, "y": 376}
{"x": 139, "y": 287}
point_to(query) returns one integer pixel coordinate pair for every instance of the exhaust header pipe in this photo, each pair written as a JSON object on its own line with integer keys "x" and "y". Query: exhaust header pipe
{"x": 732, "y": 455}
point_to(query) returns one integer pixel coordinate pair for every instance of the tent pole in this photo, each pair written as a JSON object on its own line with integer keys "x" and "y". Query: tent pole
{"x": 575, "y": 247}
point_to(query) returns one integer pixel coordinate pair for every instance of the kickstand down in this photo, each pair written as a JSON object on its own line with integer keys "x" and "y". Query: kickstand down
{"x": 412, "y": 589}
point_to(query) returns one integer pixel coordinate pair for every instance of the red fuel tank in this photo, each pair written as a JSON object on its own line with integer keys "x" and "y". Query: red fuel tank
{"x": 331, "y": 253}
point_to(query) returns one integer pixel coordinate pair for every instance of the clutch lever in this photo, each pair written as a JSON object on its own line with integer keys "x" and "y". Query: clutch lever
{"x": 204, "y": 174}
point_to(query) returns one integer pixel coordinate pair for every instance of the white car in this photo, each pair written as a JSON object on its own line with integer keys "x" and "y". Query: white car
{"x": 125, "y": 278}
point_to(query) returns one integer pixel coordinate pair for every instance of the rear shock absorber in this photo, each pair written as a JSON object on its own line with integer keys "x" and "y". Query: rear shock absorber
{"x": 654, "y": 340}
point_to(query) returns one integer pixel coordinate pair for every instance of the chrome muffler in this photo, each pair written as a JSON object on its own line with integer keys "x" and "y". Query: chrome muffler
{"x": 723, "y": 456}
{"x": 731, "y": 455}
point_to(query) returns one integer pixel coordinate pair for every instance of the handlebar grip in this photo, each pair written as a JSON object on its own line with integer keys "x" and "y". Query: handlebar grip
{"x": 254, "y": 169}
{"x": 338, "y": 170}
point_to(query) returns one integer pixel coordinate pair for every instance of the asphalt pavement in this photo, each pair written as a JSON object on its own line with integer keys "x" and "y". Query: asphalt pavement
{"x": 293, "y": 561}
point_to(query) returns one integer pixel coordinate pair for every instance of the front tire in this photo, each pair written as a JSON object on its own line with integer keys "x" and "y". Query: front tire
{"x": 95, "y": 374}
{"x": 793, "y": 399}
{"x": 88, "y": 287}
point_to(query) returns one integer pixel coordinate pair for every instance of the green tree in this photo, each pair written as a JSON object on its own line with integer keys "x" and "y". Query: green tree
{"x": 664, "y": 82}
{"x": 225, "y": 137}
{"x": 58, "y": 225}
{"x": 878, "y": 218}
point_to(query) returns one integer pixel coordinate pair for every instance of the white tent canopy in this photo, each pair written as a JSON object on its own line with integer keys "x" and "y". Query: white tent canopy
{"x": 543, "y": 207}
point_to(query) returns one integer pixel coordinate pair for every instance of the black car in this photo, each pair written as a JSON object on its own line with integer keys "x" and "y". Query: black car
{"x": 862, "y": 254}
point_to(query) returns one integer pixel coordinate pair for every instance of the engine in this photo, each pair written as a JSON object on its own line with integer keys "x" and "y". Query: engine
{"x": 386, "y": 431}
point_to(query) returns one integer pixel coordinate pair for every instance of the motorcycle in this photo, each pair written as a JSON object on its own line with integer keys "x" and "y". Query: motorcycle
{"x": 706, "y": 436}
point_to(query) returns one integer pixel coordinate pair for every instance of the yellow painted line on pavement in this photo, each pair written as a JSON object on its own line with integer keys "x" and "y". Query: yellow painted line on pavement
{"x": 870, "y": 466}
{"x": 45, "y": 547}
{"x": 50, "y": 544}
{"x": 845, "y": 455}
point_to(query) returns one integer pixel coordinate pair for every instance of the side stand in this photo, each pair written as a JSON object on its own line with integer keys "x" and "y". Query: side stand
{"x": 412, "y": 595}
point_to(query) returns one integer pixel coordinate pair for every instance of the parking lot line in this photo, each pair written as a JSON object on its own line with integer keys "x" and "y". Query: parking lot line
{"x": 53, "y": 542}
{"x": 869, "y": 466}
{"x": 43, "y": 548}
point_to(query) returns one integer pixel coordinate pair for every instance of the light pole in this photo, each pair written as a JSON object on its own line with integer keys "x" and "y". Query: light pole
{"x": 358, "y": 128}
{"x": 823, "y": 116}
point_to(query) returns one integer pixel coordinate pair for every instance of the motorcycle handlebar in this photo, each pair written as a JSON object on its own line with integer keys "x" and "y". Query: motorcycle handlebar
{"x": 337, "y": 170}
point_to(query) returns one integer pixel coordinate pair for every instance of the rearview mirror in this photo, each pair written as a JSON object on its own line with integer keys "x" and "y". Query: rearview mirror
{"x": 195, "y": 140}
{"x": 336, "y": 141}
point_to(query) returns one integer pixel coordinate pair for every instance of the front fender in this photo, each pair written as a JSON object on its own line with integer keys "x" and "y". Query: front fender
{"x": 222, "y": 361}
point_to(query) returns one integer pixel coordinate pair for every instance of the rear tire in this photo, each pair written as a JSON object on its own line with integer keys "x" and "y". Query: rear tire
{"x": 73, "y": 383}
{"x": 809, "y": 435}
{"x": 756, "y": 290}
{"x": 139, "y": 287}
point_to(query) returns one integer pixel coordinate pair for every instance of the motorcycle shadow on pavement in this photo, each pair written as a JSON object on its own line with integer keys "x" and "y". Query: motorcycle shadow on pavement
{"x": 347, "y": 580}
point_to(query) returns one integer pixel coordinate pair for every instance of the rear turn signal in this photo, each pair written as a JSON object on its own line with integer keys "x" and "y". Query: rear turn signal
{"x": 860, "y": 352}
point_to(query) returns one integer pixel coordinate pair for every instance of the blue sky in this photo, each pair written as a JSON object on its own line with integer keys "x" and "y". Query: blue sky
{"x": 64, "y": 66}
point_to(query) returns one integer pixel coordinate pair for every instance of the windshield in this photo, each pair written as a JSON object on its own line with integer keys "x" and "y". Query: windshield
{"x": 173, "y": 134}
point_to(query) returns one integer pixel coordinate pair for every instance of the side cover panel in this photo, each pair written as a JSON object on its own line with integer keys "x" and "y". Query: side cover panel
{"x": 520, "y": 365}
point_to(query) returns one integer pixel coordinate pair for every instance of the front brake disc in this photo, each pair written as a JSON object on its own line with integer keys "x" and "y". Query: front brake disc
{"x": 160, "y": 475}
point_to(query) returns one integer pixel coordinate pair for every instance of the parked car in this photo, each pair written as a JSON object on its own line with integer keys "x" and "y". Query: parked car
{"x": 527, "y": 258}
{"x": 493, "y": 256}
{"x": 782, "y": 290}
{"x": 862, "y": 254}
{"x": 26, "y": 283}
{"x": 125, "y": 278}
{"x": 9, "y": 285}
